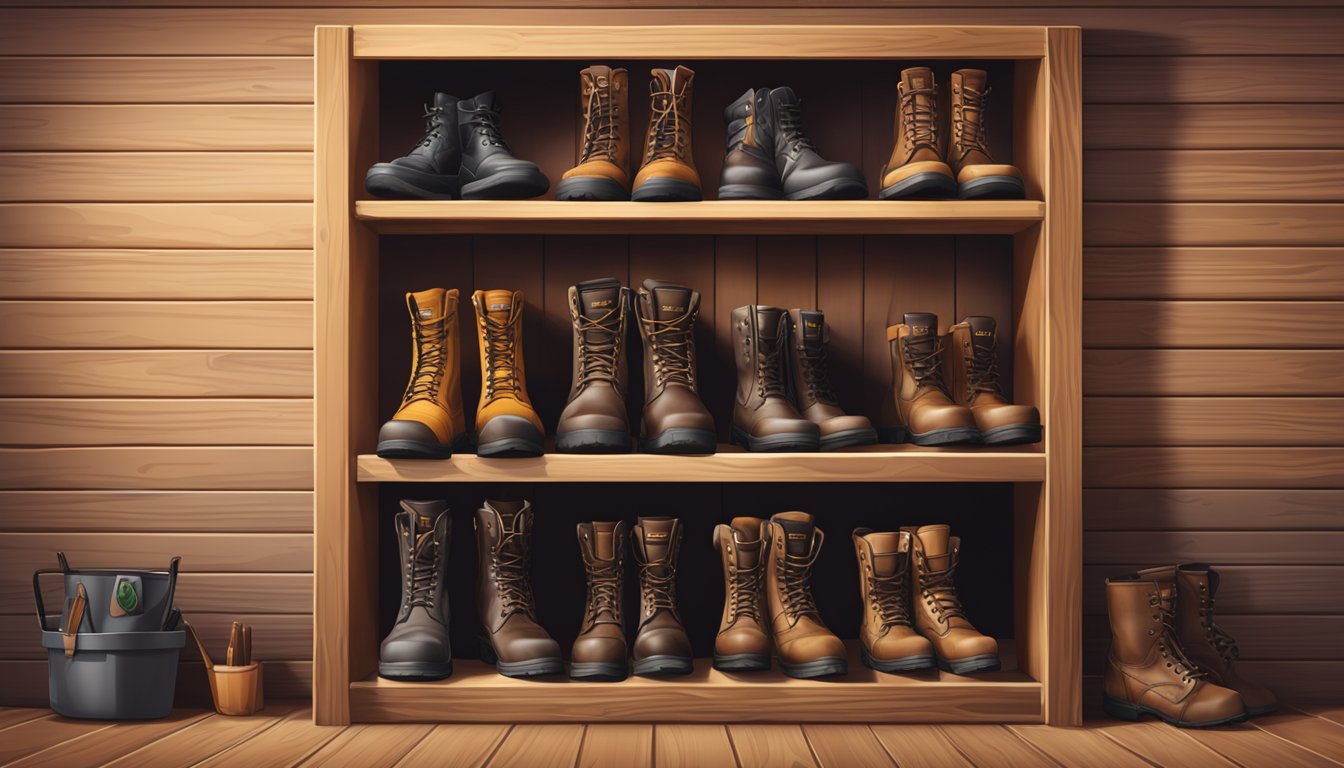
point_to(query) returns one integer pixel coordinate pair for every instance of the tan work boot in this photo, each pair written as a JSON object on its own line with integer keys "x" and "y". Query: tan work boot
{"x": 668, "y": 170}
{"x": 603, "y": 172}
{"x": 806, "y": 648}
{"x": 810, "y": 384}
{"x": 599, "y": 652}
{"x": 595, "y": 418}
{"x": 927, "y": 414}
{"x": 890, "y": 643}
{"x": 916, "y": 167}
{"x": 662, "y": 646}
{"x": 764, "y": 418}
{"x": 1147, "y": 670}
{"x": 971, "y": 363}
{"x": 742, "y": 644}
{"x": 1204, "y": 642}
{"x": 674, "y": 420}
{"x": 978, "y": 176}
{"x": 512, "y": 639}
{"x": 506, "y": 424}
{"x": 957, "y": 646}
{"x": 429, "y": 423}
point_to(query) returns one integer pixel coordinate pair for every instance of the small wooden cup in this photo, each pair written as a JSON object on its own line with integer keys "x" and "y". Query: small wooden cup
{"x": 237, "y": 690}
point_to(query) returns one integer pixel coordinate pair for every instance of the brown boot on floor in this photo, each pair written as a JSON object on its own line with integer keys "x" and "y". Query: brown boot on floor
{"x": 971, "y": 369}
{"x": 957, "y": 645}
{"x": 599, "y": 652}
{"x": 806, "y": 648}
{"x": 743, "y": 644}
{"x": 661, "y": 644}
{"x": 1148, "y": 672}
{"x": 810, "y": 383}
{"x": 890, "y": 643}
{"x": 513, "y": 640}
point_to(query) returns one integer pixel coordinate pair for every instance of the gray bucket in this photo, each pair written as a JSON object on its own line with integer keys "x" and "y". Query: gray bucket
{"x": 125, "y": 600}
{"x": 114, "y": 675}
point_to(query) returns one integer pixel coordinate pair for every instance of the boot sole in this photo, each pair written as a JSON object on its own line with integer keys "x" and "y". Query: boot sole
{"x": 412, "y": 449}
{"x": 1262, "y": 711}
{"x": 520, "y": 440}
{"x": 993, "y": 188}
{"x": 785, "y": 442}
{"x": 849, "y": 438}
{"x": 415, "y": 670}
{"x": 930, "y": 184}
{"x": 654, "y": 666}
{"x": 951, "y": 436}
{"x": 988, "y": 662}
{"x": 906, "y": 664}
{"x": 591, "y": 188}
{"x": 1012, "y": 434}
{"x": 742, "y": 662}
{"x": 666, "y": 191}
{"x": 386, "y": 180}
{"x": 823, "y": 667}
{"x": 525, "y": 668}
{"x": 749, "y": 192}
{"x": 592, "y": 441}
{"x": 512, "y": 185}
{"x": 1123, "y": 710}
{"x": 598, "y": 671}
{"x": 834, "y": 189}
{"x": 680, "y": 440}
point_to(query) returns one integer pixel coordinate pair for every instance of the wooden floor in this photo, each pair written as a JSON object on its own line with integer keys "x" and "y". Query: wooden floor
{"x": 283, "y": 736}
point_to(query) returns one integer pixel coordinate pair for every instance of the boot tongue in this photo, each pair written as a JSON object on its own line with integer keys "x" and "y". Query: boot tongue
{"x": 668, "y": 301}
{"x": 509, "y": 512}
{"x": 747, "y": 537}
{"x": 604, "y": 540}
{"x": 784, "y": 95}
{"x": 445, "y": 101}
{"x": 886, "y": 551}
{"x": 599, "y": 299}
{"x": 427, "y": 307}
{"x": 934, "y": 540}
{"x": 811, "y": 325}
{"x": 597, "y": 75}
{"x": 767, "y": 322}
{"x": 973, "y": 79}
{"x": 484, "y": 101}
{"x": 498, "y": 304}
{"x": 982, "y": 332}
{"x": 918, "y": 79}
{"x": 424, "y": 513}
{"x": 797, "y": 531}
{"x": 657, "y": 535}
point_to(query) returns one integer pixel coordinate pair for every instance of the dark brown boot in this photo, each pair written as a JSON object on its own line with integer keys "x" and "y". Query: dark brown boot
{"x": 810, "y": 383}
{"x": 603, "y": 172}
{"x": 978, "y": 176}
{"x": 513, "y": 640}
{"x": 958, "y": 647}
{"x": 890, "y": 642}
{"x": 417, "y": 647}
{"x": 916, "y": 167}
{"x": 1148, "y": 672}
{"x": 661, "y": 644}
{"x": 599, "y": 652}
{"x": 924, "y": 405}
{"x": 742, "y": 645}
{"x": 1204, "y": 642}
{"x": 675, "y": 421}
{"x": 970, "y": 359}
{"x": 668, "y": 171}
{"x": 763, "y": 417}
{"x": 595, "y": 420}
{"x": 806, "y": 648}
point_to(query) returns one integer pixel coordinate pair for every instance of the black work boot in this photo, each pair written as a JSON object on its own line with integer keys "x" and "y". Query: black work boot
{"x": 417, "y": 647}
{"x": 489, "y": 169}
{"x": 769, "y": 157}
{"x": 429, "y": 170}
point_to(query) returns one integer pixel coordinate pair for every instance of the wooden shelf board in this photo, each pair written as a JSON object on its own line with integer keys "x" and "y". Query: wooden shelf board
{"x": 928, "y": 217}
{"x": 880, "y": 463}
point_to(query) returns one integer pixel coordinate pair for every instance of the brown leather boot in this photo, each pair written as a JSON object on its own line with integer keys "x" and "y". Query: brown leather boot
{"x": 1204, "y": 642}
{"x": 506, "y": 423}
{"x": 599, "y": 652}
{"x": 916, "y": 167}
{"x": 603, "y": 172}
{"x": 890, "y": 643}
{"x": 429, "y": 423}
{"x": 595, "y": 420}
{"x": 957, "y": 646}
{"x": 806, "y": 648}
{"x": 417, "y": 648}
{"x": 742, "y": 644}
{"x": 971, "y": 362}
{"x": 978, "y": 176}
{"x": 1148, "y": 671}
{"x": 668, "y": 171}
{"x": 924, "y": 406}
{"x": 810, "y": 384}
{"x": 512, "y": 639}
{"x": 764, "y": 419}
{"x": 661, "y": 644}
{"x": 674, "y": 421}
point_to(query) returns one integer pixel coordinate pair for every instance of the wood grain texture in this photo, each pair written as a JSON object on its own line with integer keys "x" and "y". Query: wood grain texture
{"x": 835, "y": 745}
{"x": 263, "y": 468}
{"x": 1214, "y": 175}
{"x": 1249, "y": 745}
{"x": 1213, "y": 372}
{"x": 994, "y": 745}
{"x": 1213, "y": 324}
{"x": 56, "y": 273}
{"x": 277, "y": 746}
{"x": 196, "y": 592}
{"x": 1212, "y": 126}
{"x": 157, "y": 128}
{"x": 1214, "y": 467}
{"x": 1210, "y": 79}
{"x": 678, "y": 745}
{"x": 368, "y": 746}
{"x": 155, "y": 176}
{"x": 204, "y": 739}
{"x": 1261, "y": 589}
{"x": 1074, "y": 747}
{"x": 156, "y": 225}
{"x": 86, "y": 422}
{"x": 1222, "y": 224}
{"x": 1163, "y": 746}
{"x": 460, "y": 745}
{"x": 35, "y": 735}
{"x": 540, "y": 746}
{"x": 781, "y": 745}
{"x": 157, "y": 324}
{"x": 1233, "y": 421}
{"x": 188, "y": 79}
{"x": 1297, "y": 638}
{"x": 1225, "y": 547}
{"x": 214, "y": 552}
{"x": 157, "y": 373}
{"x": 161, "y": 511}
{"x": 1162, "y": 509}
{"x": 278, "y": 636}
{"x": 920, "y": 746}
{"x": 1319, "y": 735}
{"x": 616, "y": 745}
{"x": 1214, "y": 273}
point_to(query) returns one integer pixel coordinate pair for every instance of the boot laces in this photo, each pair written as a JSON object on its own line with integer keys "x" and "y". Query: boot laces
{"x": 599, "y": 359}
{"x": 604, "y": 591}
{"x": 673, "y": 350}
{"x": 501, "y": 373}
{"x": 744, "y": 591}
{"x": 791, "y": 126}
{"x": 919, "y": 120}
{"x": 658, "y": 585}
{"x": 887, "y": 594}
{"x": 939, "y": 589}
{"x": 815, "y": 378}
{"x": 670, "y": 126}
{"x": 770, "y": 370}
{"x": 509, "y": 560}
{"x": 1222, "y": 642}
{"x": 1167, "y": 644}
{"x": 795, "y": 581}
{"x": 599, "y": 124}
{"x": 429, "y": 365}
{"x": 925, "y": 359}
{"x": 424, "y": 569}
{"x": 969, "y": 121}
{"x": 982, "y": 370}
{"x": 487, "y": 121}
{"x": 433, "y": 122}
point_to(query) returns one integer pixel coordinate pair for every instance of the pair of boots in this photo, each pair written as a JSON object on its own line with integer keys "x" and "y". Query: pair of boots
{"x": 430, "y": 423}
{"x": 674, "y": 419}
{"x": 417, "y": 648}
{"x": 912, "y": 617}
{"x": 784, "y": 397}
{"x": 661, "y": 646}
{"x": 770, "y": 158}
{"x": 919, "y": 167}
{"x": 1168, "y": 657}
{"x": 462, "y": 154}
{"x": 667, "y": 171}
{"x": 965, "y": 406}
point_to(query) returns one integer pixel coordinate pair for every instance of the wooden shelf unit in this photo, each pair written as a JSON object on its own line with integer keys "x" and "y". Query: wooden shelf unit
{"x": 1045, "y": 339}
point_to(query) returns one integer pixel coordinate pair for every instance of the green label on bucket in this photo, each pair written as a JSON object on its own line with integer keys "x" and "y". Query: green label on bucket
{"x": 127, "y": 598}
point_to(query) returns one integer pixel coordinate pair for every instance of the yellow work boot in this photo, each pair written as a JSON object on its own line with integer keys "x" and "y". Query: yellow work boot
{"x": 668, "y": 172}
{"x": 506, "y": 424}
{"x": 429, "y": 423}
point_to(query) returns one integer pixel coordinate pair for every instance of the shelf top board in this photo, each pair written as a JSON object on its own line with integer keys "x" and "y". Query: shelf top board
{"x": 885, "y": 463}
{"x": 688, "y": 42}
{"x": 924, "y": 217}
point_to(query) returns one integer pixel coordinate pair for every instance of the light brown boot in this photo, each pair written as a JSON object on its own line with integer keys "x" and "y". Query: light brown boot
{"x": 924, "y": 406}
{"x": 512, "y": 639}
{"x": 810, "y": 384}
{"x": 806, "y": 648}
{"x": 916, "y": 167}
{"x": 429, "y": 423}
{"x": 978, "y": 176}
{"x": 506, "y": 423}
{"x": 674, "y": 420}
{"x": 662, "y": 646}
{"x": 970, "y": 360}
{"x": 1148, "y": 672}
{"x": 603, "y": 172}
{"x": 890, "y": 643}
{"x": 1204, "y": 642}
{"x": 958, "y": 647}
{"x": 742, "y": 644}
{"x": 668, "y": 171}
{"x": 599, "y": 652}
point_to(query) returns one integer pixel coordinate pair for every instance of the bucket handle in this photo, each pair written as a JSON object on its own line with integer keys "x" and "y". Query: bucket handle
{"x": 37, "y": 593}
{"x": 172, "y": 591}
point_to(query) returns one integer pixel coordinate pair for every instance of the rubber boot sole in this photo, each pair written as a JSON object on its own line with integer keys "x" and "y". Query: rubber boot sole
{"x": 509, "y": 437}
{"x": 950, "y": 436}
{"x": 742, "y": 662}
{"x": 591, "y": 189}
{"x": 848, "y": 439}
{"x": 509, "y": 185}
{"x": 525, "y": 668}
{"x": 921, "y": 185}
{"x": 1262, "y": 711}
{"x": 823, "y": 667}
{"x": 1012, "y": 434}
{"x": 784, "y": 442}
{"x": 749, "y": 192}
{"x": 1123, "y": 710}
{"x": 680, "y": 440}
{"x": 387, "y": 180}
{"x": 993, "y": 188}
{"x": 666, "y": 191}
{"x": 654, "y": 666}
{"x": 413, "y": 449}
{"x": 415, "y": 670}
{"x": 906, "y": 664}
{"x": 988, "y": 662}
{"x": 598, "y": 671}
{"x": 593, "y": 441}
{"x": 832, "y": 189}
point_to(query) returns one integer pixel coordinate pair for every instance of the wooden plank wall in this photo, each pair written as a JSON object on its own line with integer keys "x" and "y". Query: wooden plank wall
{"x": 156, "y": 296}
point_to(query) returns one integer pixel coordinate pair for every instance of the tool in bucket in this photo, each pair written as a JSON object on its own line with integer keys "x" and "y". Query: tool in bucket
{"x": 236, "y": 686}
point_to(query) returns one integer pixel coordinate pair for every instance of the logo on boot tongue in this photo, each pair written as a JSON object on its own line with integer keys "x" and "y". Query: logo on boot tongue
{"x": 425, "y": 314}
{"x": 499, "y": 307}
{"x": 601, "y": 303}
{"x": 984, "y": 333}
{"x": 919, "y": 330}
{"x": 656, "y": 535}
{"x": 797, "y": 537}
{"x": 670, "y": 308}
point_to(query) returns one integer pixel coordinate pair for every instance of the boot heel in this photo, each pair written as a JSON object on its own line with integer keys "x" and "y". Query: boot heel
{"x": 487, "y": 652}
{"x": 1120, "y": 710}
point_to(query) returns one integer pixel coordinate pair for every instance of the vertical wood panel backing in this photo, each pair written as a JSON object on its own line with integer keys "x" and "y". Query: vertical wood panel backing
{"x": 840, "y": 296}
